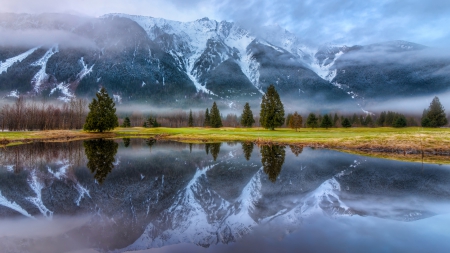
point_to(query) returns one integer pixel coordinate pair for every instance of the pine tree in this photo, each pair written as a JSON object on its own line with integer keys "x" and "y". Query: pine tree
{"x": 126, "y": 122}
{"x": 247, "y": 147}
{"x": 207, "y": 122}
{"x": 102, "y": 113}
{"x": 381, "y": 119}
{"x": 247, "y": 119}
{"x": 400, "y": 121}
{"x": 326, "y": 122}
{"x": 369, "y": 121}
{"x": 335, "y": 120}
{"x": 295, "y": 121}
{"x": 191, "y": 119}
{"x": 215, "y": 118}
{"x": 272, "y": 110}
{"x": 346, "y": 123}
{"x": 311, "y": 121}
{"x": 435, "y": 115}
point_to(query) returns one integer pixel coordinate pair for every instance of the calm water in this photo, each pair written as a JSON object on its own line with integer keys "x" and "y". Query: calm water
{"x": 137, "y": 195}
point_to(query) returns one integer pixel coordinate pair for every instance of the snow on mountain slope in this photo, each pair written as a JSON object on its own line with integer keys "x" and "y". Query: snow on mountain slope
{"x": 41, "y": 75}
{"x": 13, "y": 205}
{"x": 9, "y": 62}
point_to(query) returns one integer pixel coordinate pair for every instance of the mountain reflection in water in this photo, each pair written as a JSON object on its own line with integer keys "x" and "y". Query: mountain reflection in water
{"x": 136, "y": 194}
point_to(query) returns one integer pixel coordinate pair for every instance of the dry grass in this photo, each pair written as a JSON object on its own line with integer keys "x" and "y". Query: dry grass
{"x": 402, "y": 144}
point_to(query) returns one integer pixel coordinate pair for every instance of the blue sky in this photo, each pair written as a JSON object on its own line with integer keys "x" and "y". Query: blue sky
{"x": 337, "y": 21}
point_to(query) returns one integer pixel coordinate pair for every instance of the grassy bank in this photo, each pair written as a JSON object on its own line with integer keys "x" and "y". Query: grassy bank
{"x": 394, "y": 143}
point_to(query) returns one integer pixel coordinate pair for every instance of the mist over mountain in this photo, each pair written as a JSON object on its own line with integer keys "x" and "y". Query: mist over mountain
{"x": 177, "y": 64}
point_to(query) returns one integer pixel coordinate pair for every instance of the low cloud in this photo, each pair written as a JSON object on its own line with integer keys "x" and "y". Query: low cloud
{"x": 33, "y": 38}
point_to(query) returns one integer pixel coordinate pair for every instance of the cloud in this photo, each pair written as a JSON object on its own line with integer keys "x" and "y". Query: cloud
{"x": 33, "y": 38}
{"x": 339, "y": 21}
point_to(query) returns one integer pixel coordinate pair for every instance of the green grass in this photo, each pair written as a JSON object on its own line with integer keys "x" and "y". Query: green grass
{"x": 386, "y": 142}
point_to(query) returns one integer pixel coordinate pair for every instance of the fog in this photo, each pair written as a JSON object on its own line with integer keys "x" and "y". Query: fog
{"x": 40, "y": 37}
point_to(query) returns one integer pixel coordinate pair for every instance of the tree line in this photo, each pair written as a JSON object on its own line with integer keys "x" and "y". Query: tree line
{"x": 32, "y": 115}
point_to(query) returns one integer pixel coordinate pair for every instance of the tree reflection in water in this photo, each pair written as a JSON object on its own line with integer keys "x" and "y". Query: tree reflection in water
{"x": 126, "y": 142}
{"x": 296, "y": 150}
{"x": 101, "y": 155}
{"x": 272, "y": 159}
{"x": 247, "y": 147}
{"x": 213, "y": 148}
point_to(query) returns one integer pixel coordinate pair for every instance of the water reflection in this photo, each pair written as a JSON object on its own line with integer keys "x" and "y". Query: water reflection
{"x": 178, "y": 194}
{"x": 247, "y": 148}
{"x": 272, "y": 159}
{"x": 296, "y": 149}
{"x": 126, "y": 142}
{"x": 213, "y": 148}
{"x": 101, "y": 155}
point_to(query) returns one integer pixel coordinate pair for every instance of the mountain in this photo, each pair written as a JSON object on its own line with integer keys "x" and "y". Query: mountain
{"x": 171, "y": 63}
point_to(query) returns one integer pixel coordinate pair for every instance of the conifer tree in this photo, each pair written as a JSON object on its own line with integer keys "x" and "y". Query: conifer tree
{"x": 191, "y": 119}
{"x": 346, "y": 123}
{"x": 311, "y": 121}
{"x": 207, "y": 121}
{"x": 326, "y": 122}
{"x": 126, "y": 122}
{"x": 272, "y": 110}
{"x": 335, "y": 120}
{"x": 295, "y": 121}
{"x": 215, "y": 118}
{"x": 247, "y": 147}
{"x": 368, "y": 121}
{"x": 247, "y": 119}
{"x": 435, "y": 116}
{"x": 102, "y": 113}
{"x": 400, "y": 121}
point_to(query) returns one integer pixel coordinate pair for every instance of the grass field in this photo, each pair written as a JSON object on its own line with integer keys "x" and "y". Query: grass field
{"x": 394, "y": 143}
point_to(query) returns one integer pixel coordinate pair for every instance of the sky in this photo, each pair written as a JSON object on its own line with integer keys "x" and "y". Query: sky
{"x": 326, "y": 21}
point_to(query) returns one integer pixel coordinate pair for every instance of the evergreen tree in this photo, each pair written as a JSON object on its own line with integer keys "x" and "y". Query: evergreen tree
{"x": 381, "y": 119}
{"x": 272, "y": 110}
{"x": 215, "y": 118}
{"x": 354, "y": 120}
{"x": 207, "y": 121}
{"x": 326, "y": 122}
{"x": 295, "y": 121}
{"x": 214, "y": 148}
{"x": 362, "y": 120}
{"x": 335, "y": 120}
{"x": 311, "y": 121}
{"x": 101, "y": 156}
{"x": 272, "y": 159}
{"x": 368, "y": 121}
{"x": 346, "y": 123}
{"x": 400, "y": 121}
{"x": 102, "y": 113}
{"x": 191, "y": 119}
{"x": 126, "y": 122}
{"x": 247, "y": 119}
{"x": 435, "y": 115}
{"x": 247, "y": 147}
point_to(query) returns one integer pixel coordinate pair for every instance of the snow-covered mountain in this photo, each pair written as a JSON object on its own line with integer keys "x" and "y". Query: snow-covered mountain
{"x": 154, "y": 60}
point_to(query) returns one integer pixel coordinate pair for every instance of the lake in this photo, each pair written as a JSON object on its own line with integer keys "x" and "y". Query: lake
{"x": 143, "y": 195}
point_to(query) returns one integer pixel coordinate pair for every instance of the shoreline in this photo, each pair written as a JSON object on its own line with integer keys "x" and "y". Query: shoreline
{"x": 405, "y": 144}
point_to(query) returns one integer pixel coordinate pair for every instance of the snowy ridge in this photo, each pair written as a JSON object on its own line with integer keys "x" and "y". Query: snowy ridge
{"x": 326, "y": 70}
{"x": 41, "y": 75}
{"x": 37, "y": 187}
{"x": 13, "y": 206}
{"x": 199, "y": 215}
{"x": 64, "y": 88}
{"x": 85, "y": 71}
{"x": 9, "y": 62}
